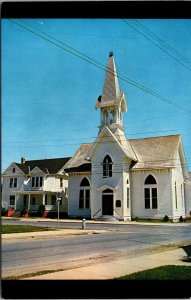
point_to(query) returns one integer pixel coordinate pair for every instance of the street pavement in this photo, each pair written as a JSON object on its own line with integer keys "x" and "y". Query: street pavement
{"x": 119, "y": 267}
{"x": 114, "y": 268}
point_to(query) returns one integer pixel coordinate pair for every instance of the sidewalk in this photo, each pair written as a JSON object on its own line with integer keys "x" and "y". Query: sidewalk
{"x": 98, "y": 222}
{"x": 49, "y": 234}
{"x": 120, "y": 267}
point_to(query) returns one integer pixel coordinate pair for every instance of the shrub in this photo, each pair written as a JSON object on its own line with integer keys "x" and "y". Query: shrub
{"x": 181, "y": 219}
{"x": 166, "y": 218}
{"x": 41, "y": 210}
{"x": 32, "y": 214}
{"x": 24, "y": 211}
{"x": 4, "y": 212}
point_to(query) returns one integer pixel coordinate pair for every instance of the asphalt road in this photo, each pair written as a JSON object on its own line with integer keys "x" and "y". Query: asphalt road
{"x": 26, "y": 256}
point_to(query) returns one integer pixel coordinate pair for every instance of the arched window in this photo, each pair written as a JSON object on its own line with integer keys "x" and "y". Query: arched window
{"x": 84, "y": 182}
{"x": 107, "y": 166}
{"x": 150, "y": 180}
{"x": 150, "y": 193}
{"x": 84, "y": 194}
{"x": 128, "y": 195}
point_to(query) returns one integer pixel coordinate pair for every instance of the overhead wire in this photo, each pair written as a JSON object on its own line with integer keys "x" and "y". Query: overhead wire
{"x": 161, "y": 41}
{"x": 159, "y": 46}
{"x": 99, "y": 65}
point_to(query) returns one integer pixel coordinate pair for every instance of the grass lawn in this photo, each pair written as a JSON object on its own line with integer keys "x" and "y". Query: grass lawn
{"x": 161, "y": 273}
{"x": 23, "y": 228}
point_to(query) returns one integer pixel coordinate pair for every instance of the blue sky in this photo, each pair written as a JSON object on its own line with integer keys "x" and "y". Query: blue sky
{"x": 49, "y": 95}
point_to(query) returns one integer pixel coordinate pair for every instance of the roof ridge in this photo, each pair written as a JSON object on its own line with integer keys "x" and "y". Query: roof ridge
{"x": 154, "y": 137}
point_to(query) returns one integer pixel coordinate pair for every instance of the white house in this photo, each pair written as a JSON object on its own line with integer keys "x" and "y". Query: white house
{"x": 34, "y": 182}
{"x": 116, "y": 176}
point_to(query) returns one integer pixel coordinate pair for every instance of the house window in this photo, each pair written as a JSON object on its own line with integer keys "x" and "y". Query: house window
{"x": 61, "y": 182}
{"x": 150, "y": 193}
{"x": 13, "y": 182}
{"x": 107, "y": 166}
{"x": 128, "y": 195}
{"x": 53, "y": 200}
{"x": 12, "y": 200}
{"x": 41, "y": 181}
{"x": 33, "y": 202}
{"x": 118, "y": 203}
{"x": 84, "y": 194}
{"x": 176, "y": 199}
{"x": 37, "y": 181}
{"x": 46, "y": 200}
{"x": 13, "y": 170}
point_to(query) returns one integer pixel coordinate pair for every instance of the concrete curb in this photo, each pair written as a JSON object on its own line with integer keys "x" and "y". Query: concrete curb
{"x": 98, "y": 222}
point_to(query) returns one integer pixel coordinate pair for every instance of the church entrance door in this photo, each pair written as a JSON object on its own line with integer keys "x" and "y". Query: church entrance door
{"x": 107, "y": 202}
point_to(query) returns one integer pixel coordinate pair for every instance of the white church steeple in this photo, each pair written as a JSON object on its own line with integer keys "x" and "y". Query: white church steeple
{"x": 112, "y": 102}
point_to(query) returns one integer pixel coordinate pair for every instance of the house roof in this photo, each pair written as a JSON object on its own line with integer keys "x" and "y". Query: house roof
{"x": 78, "y": 161}
{"x": 48, "y": 166}
{"x": 156, "y": 152}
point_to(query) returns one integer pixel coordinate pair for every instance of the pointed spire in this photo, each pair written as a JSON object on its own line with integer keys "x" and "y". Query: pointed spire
{"x": 111, "y": 90}
{"x": 112, "y": 102}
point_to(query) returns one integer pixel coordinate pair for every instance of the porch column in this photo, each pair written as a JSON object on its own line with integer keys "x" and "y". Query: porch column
{"x": 29, "y": 201}
{"x": 16, "y": 199}
{"x": 43, "y": 199}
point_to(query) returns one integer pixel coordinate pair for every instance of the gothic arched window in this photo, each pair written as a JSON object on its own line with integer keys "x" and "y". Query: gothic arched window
{"x": 84, "y": 195}
{"x": 150, "y": 193}
{"x": 107, "y": 166}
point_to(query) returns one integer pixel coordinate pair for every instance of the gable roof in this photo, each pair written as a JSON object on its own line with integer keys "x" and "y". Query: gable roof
{"x": 78, "y": 163}
{"x": 48, "y": 166}
{"x": 156, "y": 152}
{"x": 120, "y": 140}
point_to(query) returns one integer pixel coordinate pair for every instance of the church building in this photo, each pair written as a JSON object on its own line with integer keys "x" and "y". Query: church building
{"x": 127, "y": 178}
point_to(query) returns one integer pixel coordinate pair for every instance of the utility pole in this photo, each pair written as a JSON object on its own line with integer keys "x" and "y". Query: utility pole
{"x": 58, "y": 198}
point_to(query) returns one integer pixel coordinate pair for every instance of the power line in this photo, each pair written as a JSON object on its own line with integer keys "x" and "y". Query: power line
{"x": 183, "y": 64}
{"x": 98, "y": 65}
{"x": 162, "y": 41}
{"x": 94, "y": 137}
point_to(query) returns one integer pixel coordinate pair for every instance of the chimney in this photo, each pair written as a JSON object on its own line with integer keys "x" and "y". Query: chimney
{"x": 23, "y": 160}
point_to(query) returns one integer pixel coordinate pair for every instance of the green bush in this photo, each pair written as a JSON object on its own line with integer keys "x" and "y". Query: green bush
{"x": 181, "y": 219}
{"x": 166, "y": 218}
{"x": 41, "y": 210}
{"x": 32, "y": 214}
{"x": 54, "y": 215}
{"x": 4, "y": 212}
{"x": 23, "y": 212}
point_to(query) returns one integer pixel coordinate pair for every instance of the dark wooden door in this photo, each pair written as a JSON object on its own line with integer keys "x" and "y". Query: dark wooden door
{"x": 107, "y": 205}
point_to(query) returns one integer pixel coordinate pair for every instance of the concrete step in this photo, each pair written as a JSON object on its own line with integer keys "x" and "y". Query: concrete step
{"x": 106, "y": 218}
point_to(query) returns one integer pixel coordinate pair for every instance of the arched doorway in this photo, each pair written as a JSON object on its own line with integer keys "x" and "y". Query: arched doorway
{"x": 107, "y": 202}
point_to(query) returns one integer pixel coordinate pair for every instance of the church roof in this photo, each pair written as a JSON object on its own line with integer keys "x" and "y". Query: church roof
{"x": 48, "y": 166}
{"x": 146, "y": 153}
{"x": 156, "y": 152}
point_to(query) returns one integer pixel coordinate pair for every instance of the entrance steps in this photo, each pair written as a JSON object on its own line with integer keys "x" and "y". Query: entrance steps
{"x": 106, "y": 218}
